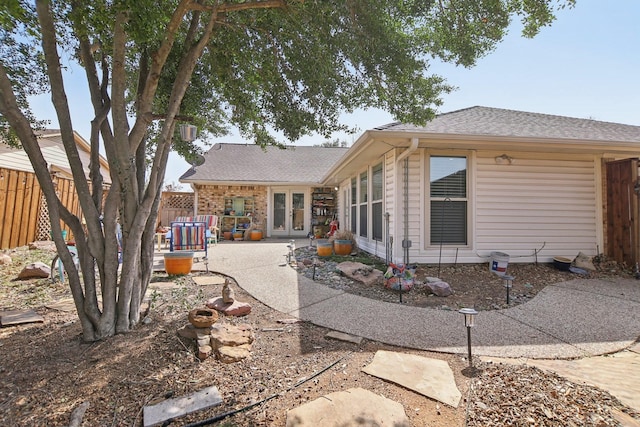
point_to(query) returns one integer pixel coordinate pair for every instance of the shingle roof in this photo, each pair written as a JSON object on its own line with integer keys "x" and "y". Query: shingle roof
{"x": 250, "y": 163}
{"x": 486, "y": 121}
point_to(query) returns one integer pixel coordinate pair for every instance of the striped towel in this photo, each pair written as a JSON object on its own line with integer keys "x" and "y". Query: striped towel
{"x": 188, "y": 236}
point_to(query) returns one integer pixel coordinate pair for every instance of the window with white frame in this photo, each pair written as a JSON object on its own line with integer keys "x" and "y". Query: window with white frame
{"x": 364, "y": 192}
{"x": 377, "y": 186}
{"x": 354, "y": 205}
{"x": 448, "y": 198}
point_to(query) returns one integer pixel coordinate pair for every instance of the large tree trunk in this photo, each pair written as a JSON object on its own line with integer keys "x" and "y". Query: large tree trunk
{"x": 108, "y": 294}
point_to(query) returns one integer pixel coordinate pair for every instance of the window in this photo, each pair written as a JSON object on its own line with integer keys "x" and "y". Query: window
{"x": 448, "y": 195}
{"x": 377, "y": 186}
{"x": 364, "y": 186}
{"x": 354, "y": 205}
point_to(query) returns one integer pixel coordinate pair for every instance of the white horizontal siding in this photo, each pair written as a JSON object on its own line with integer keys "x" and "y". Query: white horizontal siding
{"x": 16, "y": 160}
{"x": 415, "y": 205}
{"x": 390, "y": 198}
{"x": 535, "y": 204}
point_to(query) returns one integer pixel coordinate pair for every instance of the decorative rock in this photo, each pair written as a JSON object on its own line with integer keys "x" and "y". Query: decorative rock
{"x": 289, "y": 321}
{"x": 43, "y": 244}
{"x": 190, "y": 331}
{"x": 440, "y": 289}
{"x": 235, "y": 308}
{"x": 35, "y": 270}
{"x": 584, "y": 261}
{"x": 204, "y": 352}
{"x": 228, "y": 296}
{"x": 232, "y": 354}
{"x": 360, "y": 272}
{"x": 5, "y": 259}
{"x": 343, "y": 337}
{"x": 203, "y": 317}
{"x": 230, "y": 335}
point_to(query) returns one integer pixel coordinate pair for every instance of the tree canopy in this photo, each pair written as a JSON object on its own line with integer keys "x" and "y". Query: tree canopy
{"x": 262, "y": 66}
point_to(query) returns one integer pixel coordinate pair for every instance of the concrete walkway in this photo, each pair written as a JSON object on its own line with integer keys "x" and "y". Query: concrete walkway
{"x": 569, "y": 320}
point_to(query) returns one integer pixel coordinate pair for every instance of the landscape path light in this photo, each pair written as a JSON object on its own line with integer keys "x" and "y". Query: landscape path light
{"x": 469, "y": 322}
{"x": 508, "y": 283}
{"x": 292, "y": 249}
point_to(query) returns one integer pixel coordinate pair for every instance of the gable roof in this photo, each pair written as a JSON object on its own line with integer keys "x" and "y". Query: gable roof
{"x": 492, "y": 129}
{"x": 487, "y": 121}
{"x": 50, "y": 141}
{"x": 251, "y": 164}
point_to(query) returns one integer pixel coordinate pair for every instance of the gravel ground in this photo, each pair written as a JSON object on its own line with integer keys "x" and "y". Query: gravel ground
{"x": 473, "y": 285}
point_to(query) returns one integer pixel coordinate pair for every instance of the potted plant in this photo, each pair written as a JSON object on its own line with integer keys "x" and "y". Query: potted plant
{"x": 178, "y": 262}
{"x": 343, "y": 242}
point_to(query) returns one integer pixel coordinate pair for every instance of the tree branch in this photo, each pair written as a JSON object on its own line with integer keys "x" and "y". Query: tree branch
{"x": 158, "y": 61}
{"x": 225, "y": 7}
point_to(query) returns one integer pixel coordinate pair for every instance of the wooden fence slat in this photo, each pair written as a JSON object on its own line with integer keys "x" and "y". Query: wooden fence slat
{"x": 18, "y": 215}
{"x": 4, "y": 195}
{"x": 10, "y": 205}
{"x": 31, "y": 212}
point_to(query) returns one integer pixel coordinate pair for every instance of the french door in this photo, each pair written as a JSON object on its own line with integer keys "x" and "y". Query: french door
{"x": 289, "y": 212}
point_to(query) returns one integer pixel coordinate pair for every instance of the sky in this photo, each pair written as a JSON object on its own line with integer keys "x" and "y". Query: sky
{"x": 585, "y": 65}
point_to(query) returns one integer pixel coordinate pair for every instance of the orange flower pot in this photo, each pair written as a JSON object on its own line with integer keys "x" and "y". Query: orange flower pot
{"x": 255, "y": 235}
{"x": 176, "y": 263}
{"x": 325, "y": 248}
{"x": 342, "y": 247}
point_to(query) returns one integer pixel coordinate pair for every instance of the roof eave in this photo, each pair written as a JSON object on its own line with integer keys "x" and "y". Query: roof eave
{"x": 402, "y": 139}
{"x": 354, "y": 151}
{"x": 254, "y": 183}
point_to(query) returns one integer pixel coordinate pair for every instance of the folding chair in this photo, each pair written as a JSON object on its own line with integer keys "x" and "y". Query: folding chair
{"x": 188, "y": 236}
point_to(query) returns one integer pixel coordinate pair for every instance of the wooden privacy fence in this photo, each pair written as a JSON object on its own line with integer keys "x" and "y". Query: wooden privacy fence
{"x": 24, "y": 216}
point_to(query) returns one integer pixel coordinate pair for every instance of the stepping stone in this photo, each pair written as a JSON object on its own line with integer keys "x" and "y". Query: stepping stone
{"x": 65, "y": 304}
{"x": 355, "y": 407}
{"x": 154, "y": 415}
{"x": 18, "y": 317}
{"x": 430, "y": 377}
{"x": 343, "y": 337}
{"x": 163, "y": 286}
{"x": 208, "y": 280}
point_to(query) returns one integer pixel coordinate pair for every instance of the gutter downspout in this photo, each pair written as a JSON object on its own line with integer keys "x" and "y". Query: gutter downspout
{"x": 404, "y": 156}
{"x": 195, "y": 199}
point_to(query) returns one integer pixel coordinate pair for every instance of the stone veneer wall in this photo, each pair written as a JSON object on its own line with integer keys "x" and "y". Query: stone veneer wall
{"x": 211, "y": 200}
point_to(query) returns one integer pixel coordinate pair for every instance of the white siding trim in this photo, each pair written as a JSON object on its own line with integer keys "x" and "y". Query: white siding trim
{"x": 598, "y": 183}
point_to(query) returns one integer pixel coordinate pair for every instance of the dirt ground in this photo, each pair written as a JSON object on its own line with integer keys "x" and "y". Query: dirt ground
{"x": 46, "y": 370}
